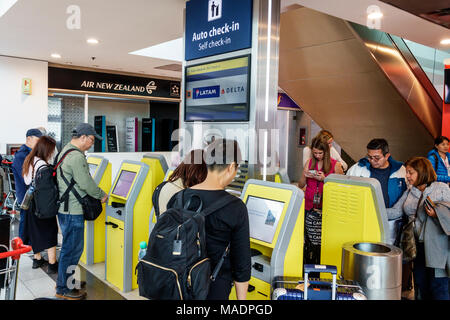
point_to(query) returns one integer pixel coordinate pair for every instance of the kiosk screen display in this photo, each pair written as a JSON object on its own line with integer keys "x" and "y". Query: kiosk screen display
{"x": 124, "y": 183}
{"x": 92, "y": 168}
{"x": 218, "y": 91}
{"x": 263, "y": 215}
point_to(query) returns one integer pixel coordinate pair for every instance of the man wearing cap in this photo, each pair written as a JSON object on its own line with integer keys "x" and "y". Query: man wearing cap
{"x": 74, "y": 166}
{"x": 32, "y": 136}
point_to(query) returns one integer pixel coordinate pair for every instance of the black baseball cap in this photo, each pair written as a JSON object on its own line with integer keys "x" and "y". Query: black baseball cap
{"x": 85, "y": 129}
{"x": 34, "y": 132}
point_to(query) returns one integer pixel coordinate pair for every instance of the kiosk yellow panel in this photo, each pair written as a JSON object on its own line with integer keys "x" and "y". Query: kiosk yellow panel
{"x": 140, "y": 221}
{"x": 293, "y": 262}
{"x": 115, "y": 253}
{"x": 349, "y": 214}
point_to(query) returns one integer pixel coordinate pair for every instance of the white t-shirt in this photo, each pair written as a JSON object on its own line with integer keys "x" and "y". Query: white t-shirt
{"x": 38, "y": 162}
{"x": 307, "y": 154}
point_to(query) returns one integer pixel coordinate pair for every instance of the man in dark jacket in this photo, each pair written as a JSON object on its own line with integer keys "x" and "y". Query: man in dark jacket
{"x": 32, "y": 136}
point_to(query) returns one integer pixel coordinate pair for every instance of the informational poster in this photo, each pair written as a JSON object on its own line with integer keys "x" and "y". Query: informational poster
{"x": 100, "y": 128}
{"x": 263, "y": 216}
{"x": 286, "y": 103}
{"x": 131, "y": 138}
{"x": 218, "y": 91}
{"x": 147, "y": 134}
{"x": 112, "y": 139}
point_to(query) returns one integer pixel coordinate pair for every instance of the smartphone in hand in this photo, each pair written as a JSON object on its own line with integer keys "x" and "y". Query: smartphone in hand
{"x": 429, "y": 203}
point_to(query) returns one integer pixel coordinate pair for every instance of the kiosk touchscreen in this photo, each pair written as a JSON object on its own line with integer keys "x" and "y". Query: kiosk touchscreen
{"x": 127, "y": 214}
{"x": 353, "y": 210}
{"x": 276, "y": 217}
{"x": 94, "y": 231}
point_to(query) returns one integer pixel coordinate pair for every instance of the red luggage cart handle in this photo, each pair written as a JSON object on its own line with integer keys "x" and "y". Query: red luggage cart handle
{"x": 18, "y": 249}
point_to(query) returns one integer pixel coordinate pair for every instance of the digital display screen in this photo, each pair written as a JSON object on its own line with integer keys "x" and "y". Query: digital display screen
{"x": 92, "y": 168}
{"x": 218, "y": 91}
{"x": 123, "y": 184}
{"x": 264, "y": 215}
{"x": 447, "y": 85}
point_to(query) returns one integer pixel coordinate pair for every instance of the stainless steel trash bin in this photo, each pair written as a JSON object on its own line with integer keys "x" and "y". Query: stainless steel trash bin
{"x": 376, "y": 266}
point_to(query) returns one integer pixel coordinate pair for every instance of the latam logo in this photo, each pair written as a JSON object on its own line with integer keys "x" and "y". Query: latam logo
{"x": 206, "y": 92}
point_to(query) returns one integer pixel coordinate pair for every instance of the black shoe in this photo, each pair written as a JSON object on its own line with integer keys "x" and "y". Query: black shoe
{"x": 38, "y": 263}
{"x": 52, "y": 268}
{"x": 73, "y": 294}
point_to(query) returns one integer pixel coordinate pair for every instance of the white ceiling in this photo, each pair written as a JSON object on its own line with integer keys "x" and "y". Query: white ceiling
{"x": 37, "y": 28}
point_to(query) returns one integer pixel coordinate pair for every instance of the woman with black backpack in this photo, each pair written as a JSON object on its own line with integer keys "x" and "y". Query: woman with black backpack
{"x": 40, "y": 233}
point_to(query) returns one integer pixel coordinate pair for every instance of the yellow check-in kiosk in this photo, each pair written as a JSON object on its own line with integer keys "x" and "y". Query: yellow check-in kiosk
{"x": 353, "y": 210}
{"x": 127, "y": 214}
{"x": 152, "y": 213}
{"x": 158, "y": 167}
{"x": 282, "y": 177}
{"x": 276, "y": 219}
{"x": 94, "y": 231}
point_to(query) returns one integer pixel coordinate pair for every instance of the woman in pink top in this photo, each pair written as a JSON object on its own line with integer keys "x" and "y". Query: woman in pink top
{"x": 316, "y": 169}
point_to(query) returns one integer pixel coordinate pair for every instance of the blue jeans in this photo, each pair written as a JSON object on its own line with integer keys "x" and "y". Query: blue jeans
{"x": 72, "y": 228}
{"x": 430, "y": 287}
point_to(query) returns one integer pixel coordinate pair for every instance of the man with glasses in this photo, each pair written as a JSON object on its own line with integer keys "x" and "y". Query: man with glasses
{"x": 74, "y": 167}
{"x": 380, "y": 165}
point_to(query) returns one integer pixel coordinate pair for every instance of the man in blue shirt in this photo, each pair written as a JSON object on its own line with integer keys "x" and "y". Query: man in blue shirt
{"x": 32, "y": 136}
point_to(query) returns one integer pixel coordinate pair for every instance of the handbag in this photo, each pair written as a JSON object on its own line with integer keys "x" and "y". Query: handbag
{"x": 407, "y": 239}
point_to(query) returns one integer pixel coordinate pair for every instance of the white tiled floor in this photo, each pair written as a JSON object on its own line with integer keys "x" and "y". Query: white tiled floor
{"x": 33, "y": 283}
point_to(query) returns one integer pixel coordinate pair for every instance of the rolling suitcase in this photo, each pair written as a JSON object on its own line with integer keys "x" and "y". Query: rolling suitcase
{"x": 289, "y": 288}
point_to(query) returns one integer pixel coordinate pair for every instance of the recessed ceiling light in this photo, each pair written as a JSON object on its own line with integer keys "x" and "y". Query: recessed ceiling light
{"x": 445, "y": 41}
{"x": 56, "y": 55}
{"x": 375, "y": 15}
{"x": 92, "y": 41}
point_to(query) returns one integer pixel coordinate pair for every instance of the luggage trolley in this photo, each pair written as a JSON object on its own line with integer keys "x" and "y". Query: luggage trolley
{"x": 8, "y": 275}
{"x": 10, "y": 201}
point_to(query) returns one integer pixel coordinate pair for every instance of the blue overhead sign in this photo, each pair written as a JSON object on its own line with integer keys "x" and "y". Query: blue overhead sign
{"x": 217, "y": 26}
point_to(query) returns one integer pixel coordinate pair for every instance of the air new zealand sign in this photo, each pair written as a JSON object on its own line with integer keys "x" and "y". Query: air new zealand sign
{"x": 69, "y": 79}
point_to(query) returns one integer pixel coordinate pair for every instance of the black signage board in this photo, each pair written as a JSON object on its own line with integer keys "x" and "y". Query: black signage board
{"x": 147, "y": 130}
{"x": 111, "y": 137}
{"x": 100, "y": 128}
{"x": 80, "y": 80}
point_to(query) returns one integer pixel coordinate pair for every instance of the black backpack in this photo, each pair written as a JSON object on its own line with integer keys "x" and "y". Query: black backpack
{"x": 176, "y": 266}
{"x": 46, "y": 193}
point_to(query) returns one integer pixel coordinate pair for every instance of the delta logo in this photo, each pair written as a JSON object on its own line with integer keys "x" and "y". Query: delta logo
{"x": 206, "y": 92}
{"x": 235, "y": 89}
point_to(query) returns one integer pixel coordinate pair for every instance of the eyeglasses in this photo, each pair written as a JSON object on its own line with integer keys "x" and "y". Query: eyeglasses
{"x": 92, "y": 139}
{"x": 377, "y": 158}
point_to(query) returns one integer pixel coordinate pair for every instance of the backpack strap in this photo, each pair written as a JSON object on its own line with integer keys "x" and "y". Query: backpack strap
{"x": 70, "y": 185}
{"x": 219, "y": 205}
{"x": 215, "y": 207}
{"x": 155, "y": 197}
